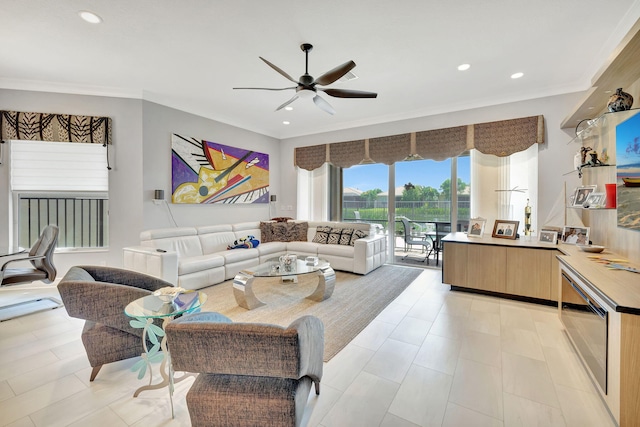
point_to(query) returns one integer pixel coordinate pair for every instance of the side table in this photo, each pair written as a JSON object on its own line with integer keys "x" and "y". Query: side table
{"x": 143, "y": 311}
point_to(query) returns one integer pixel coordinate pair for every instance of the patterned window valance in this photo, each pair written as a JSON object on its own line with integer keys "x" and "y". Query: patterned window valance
{"x": 506, "y": 137}
{"x": 501, "y": 138}
{"x": 55, "y": 127}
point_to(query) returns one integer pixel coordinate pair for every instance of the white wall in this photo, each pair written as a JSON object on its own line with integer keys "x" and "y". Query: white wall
{"x": 159, "y": 122}
{"x": 555, "y": 155}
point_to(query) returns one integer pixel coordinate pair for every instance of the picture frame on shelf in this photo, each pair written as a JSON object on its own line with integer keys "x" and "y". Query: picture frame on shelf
{"x": 548, "y": 236}
{"x": 575, "y": 235}
{"x": 595, "y": 201}
{"x": 476, "y": 227}
{"x": 581, "y": 194}
{"x": 505, "y": 229}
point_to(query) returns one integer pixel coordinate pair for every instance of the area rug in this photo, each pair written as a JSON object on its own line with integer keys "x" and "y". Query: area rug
{"x": 355, "y": 302}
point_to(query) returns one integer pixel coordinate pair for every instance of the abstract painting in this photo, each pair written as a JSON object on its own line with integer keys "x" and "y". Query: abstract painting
{"x": 628, "y": 172}
{"x": 206, "y": 172}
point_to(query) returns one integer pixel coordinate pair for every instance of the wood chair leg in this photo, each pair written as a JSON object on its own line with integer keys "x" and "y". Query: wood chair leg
{"x": 94, "y": 372}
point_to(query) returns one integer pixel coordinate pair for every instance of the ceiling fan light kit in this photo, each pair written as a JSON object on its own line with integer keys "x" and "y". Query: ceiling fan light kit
{"x": 307, "y": 86}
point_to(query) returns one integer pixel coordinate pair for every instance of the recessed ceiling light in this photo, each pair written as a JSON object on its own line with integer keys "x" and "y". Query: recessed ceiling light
{"x": 286, "y": 123}
{"x": 90, "y": 17}
{"x": 607, "y": 91}
{"x": 590, "y": 108}
{"x": 464, "y": 67}
{"x": 288, "y": 108}
{"x": 517, "y": 75}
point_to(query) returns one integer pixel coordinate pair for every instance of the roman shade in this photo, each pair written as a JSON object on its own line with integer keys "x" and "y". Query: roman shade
{"x": 31, "y": 126}
{"x": 501, "y": 138}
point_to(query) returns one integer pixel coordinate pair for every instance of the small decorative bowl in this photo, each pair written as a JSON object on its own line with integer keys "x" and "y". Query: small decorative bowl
{"x": 591, "y": 248}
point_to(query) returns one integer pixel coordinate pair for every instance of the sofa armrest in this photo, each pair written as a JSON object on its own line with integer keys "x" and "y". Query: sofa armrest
{"x": 369, "y": 253}
{"x": 152, "y": 261}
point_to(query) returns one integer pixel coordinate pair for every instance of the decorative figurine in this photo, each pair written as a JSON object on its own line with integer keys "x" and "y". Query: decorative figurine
{"x": 592, "y": 162}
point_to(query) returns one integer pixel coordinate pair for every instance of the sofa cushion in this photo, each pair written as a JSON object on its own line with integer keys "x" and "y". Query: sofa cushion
{"x": 322, "y": 235}
{"x": 284, "y": 231}
{"x": 340, "y": 236}
{"x": 231, "y": 257}
{"x": 302, "y": 247}
{"x": 357, "y": 234}
{"x": 216, "y": 242}
{"x": 194, "y": 264}
{"x": 272, "y": 248}
{"x": 344, "y": 251}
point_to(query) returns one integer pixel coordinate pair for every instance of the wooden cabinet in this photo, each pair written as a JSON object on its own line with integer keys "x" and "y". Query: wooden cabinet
{"x": 488, "y": 265}
{"x": 529, "y": 273}
{"x": 451, "y": 271}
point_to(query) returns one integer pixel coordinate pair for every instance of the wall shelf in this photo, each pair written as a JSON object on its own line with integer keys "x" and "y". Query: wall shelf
{"x": 588, "y": 167}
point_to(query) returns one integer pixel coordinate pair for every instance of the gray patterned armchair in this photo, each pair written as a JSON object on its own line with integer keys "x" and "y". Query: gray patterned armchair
{"x": 99, "y": 295}
{"x": 250, "y": 374}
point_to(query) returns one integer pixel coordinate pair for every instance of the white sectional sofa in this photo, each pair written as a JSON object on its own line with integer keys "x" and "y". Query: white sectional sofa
{"x": 196, "y": 257}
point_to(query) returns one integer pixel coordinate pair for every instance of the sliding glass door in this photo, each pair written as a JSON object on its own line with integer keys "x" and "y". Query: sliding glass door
{"x": 421, "y": 192}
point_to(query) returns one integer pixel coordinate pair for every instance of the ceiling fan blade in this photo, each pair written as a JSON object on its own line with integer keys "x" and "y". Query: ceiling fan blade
{"x": 278, "y": 69}
{"x": 333, "y": 75}
{"x": 287, "y": 103}
{"x": 347, "y": 93}
{"x": 323, "y": 105}
{"x": 265, "y": 88}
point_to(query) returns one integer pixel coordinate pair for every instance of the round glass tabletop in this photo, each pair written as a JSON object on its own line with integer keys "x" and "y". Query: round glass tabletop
{"x": 152, "y": 306}
{"x": 273, "y": 268}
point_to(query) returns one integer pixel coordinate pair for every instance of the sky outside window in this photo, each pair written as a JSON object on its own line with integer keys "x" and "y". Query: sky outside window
{"x": 427, "y": 173}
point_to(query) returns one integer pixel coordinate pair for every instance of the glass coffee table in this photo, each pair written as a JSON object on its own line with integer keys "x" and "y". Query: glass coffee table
{"x": 243, "y": 282}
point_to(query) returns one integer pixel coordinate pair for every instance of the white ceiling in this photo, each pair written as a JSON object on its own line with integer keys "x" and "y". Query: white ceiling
{"x": 188, "y": 54}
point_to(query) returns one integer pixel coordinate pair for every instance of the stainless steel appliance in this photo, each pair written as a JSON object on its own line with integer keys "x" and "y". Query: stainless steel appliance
{"x": 586, "y": 320}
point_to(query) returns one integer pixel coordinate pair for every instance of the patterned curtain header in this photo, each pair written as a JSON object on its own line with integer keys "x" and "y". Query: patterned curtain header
{"x": 501, "y": 138}
{"x": 55, "y": 127}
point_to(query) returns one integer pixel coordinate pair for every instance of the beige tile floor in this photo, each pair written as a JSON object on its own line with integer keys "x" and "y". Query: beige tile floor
{"x": 432, "y": 358}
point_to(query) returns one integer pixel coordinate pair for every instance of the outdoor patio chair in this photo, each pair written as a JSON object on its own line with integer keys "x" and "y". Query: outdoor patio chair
{"x": 411, "y": 240}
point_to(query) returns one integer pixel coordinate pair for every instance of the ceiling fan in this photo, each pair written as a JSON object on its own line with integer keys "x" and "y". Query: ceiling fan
{"x": 307, "y": 86}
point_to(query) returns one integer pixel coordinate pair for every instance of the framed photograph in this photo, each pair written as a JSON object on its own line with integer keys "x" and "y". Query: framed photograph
{"x": 581, "y": 195}
{"x": 575, "y": 235}
{"x": 595, "y": 200}
{"x": 476, "y": 227}
{"x": 505, "y": 229}
{"x": 548, "y": 236}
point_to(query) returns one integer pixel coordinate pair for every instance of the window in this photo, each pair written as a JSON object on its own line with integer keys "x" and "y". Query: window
{"x": 64, "y": 184}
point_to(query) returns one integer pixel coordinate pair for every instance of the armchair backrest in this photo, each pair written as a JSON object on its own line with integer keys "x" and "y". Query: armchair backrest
{"x": 100, "y": 294}
{"x": 247, "y": 348}
{"x": 44, "y": 247}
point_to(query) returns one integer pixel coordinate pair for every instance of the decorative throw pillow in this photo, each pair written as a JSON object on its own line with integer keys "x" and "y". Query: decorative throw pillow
{"x": 322, "y": 235}
{"x": 284, "y": 231}
{"x": 340, "y": 236}
{"x": 346, "y": 236}
{"x": 357, "y": 234}
{"x": 297, "y": 231}
{"x": 244, "y": 243}
{"x": 266, "y": 232}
